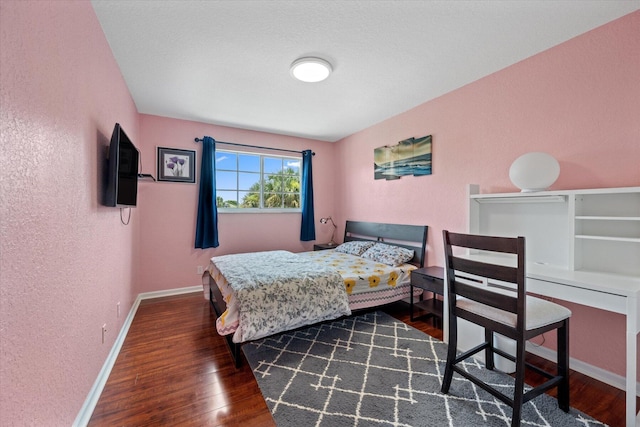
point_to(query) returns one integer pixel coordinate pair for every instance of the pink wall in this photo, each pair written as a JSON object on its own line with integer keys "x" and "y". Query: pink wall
{"x": 168, "y": 209}
{"x": 579, "y": 101}
{"x": 65, "y": 260}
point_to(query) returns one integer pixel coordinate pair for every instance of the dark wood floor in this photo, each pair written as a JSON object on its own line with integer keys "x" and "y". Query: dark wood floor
{"x": 174, "y": 369}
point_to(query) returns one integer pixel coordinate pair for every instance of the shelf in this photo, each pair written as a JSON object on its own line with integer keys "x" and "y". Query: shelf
{"x": 608, "y": 218}
{"x": 522, "y": 199}
{"x": 431, "y": 306}
{"x": 146, "y": 176}
{"x": 609, "y": 238}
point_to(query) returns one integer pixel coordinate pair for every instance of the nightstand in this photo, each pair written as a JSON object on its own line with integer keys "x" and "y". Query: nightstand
{"x": 430, "y": 279}
{"x": 323, "y": 246}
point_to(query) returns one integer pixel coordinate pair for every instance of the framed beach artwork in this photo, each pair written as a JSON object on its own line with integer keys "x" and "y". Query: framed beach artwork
{"x": 408, "y": 157}
{"x": 176, "y": 165}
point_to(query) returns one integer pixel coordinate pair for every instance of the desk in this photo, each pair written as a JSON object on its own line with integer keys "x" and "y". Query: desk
{"x": 591, "y": 236}
{"x": 611, "y": 292}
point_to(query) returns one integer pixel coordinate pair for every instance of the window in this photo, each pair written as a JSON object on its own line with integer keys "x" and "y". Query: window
{"x": 257, "y": 181}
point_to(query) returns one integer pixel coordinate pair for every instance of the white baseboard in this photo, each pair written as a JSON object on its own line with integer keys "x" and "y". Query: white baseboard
{"x": 170, "y": 292}
{"x": 83, "y": 417}
{"x": 614, "y": 380}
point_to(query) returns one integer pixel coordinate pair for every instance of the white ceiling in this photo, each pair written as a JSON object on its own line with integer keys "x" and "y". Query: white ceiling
{"x": 227, "y": 62}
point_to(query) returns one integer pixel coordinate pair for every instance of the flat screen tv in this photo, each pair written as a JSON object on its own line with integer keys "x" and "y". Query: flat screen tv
{"x": 122, "y": 172}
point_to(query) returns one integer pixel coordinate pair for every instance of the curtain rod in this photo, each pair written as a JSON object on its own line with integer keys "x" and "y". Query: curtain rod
{"x": 253, "y": 146}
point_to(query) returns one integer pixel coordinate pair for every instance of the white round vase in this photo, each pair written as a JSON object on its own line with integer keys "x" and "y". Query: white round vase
{"x": 534, "y": 171}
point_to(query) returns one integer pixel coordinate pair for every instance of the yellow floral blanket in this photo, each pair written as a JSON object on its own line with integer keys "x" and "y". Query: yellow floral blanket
{"x": 368, "y": 283}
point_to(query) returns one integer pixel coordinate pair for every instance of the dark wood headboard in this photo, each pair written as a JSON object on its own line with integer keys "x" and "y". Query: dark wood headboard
{"x": 407, "y": 236}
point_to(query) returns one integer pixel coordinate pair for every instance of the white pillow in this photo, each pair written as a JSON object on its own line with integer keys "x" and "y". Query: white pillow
{"x": 388, "y": 254}
{"x": 354, "y": 248}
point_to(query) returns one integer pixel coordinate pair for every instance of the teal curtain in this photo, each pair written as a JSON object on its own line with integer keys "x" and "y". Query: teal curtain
{"x": 207, "y": 222}
{"x": 308, "y": 228}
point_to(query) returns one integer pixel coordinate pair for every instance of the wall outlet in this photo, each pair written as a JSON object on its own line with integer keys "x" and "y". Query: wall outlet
{"x": 200, "y": 269}
{"x": 118, "y": 309}
{"x": 104, "y": 332}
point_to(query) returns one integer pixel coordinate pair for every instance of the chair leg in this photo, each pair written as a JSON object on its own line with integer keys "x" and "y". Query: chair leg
{"x": 519, "y": 384}
{"x": 563, "y": 366}
{"x": 451, "y": 355}
{"x": 488, "y": 352}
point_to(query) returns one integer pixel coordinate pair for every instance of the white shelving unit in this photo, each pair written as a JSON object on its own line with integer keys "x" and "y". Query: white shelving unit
{"x": 607, "y": 231}
{"x": 583, "y": 246}
{"x": 594, "y": 230}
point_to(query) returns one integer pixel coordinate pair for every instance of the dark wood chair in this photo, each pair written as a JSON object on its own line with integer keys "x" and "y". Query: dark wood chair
{"x": 493, "y": 296}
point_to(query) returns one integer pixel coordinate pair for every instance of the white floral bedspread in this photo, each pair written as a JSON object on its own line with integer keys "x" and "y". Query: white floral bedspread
{"x": 275, "y": 291}
{"x": 367, "y": 284}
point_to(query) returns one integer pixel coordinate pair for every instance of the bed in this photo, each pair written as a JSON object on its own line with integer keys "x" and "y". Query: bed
{"x": 264, "y": 293}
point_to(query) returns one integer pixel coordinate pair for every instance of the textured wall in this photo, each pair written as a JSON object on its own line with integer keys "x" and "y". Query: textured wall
{"x": 167, "y": 253}
{"x": 65, "y": 260}
{"x": 579, "y": 101}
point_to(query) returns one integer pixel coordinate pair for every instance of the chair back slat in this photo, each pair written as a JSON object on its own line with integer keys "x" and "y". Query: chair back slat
{"x": 484, "y": 296}
{"x": 483, "y": 269}
{"x": 485, "y": 243}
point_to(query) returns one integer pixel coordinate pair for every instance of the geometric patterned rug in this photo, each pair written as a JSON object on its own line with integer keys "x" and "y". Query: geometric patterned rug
{"x": 374, "y": 370}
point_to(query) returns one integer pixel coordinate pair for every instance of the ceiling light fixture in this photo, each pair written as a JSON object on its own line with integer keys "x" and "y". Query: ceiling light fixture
{"x": 311, "y": 70}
